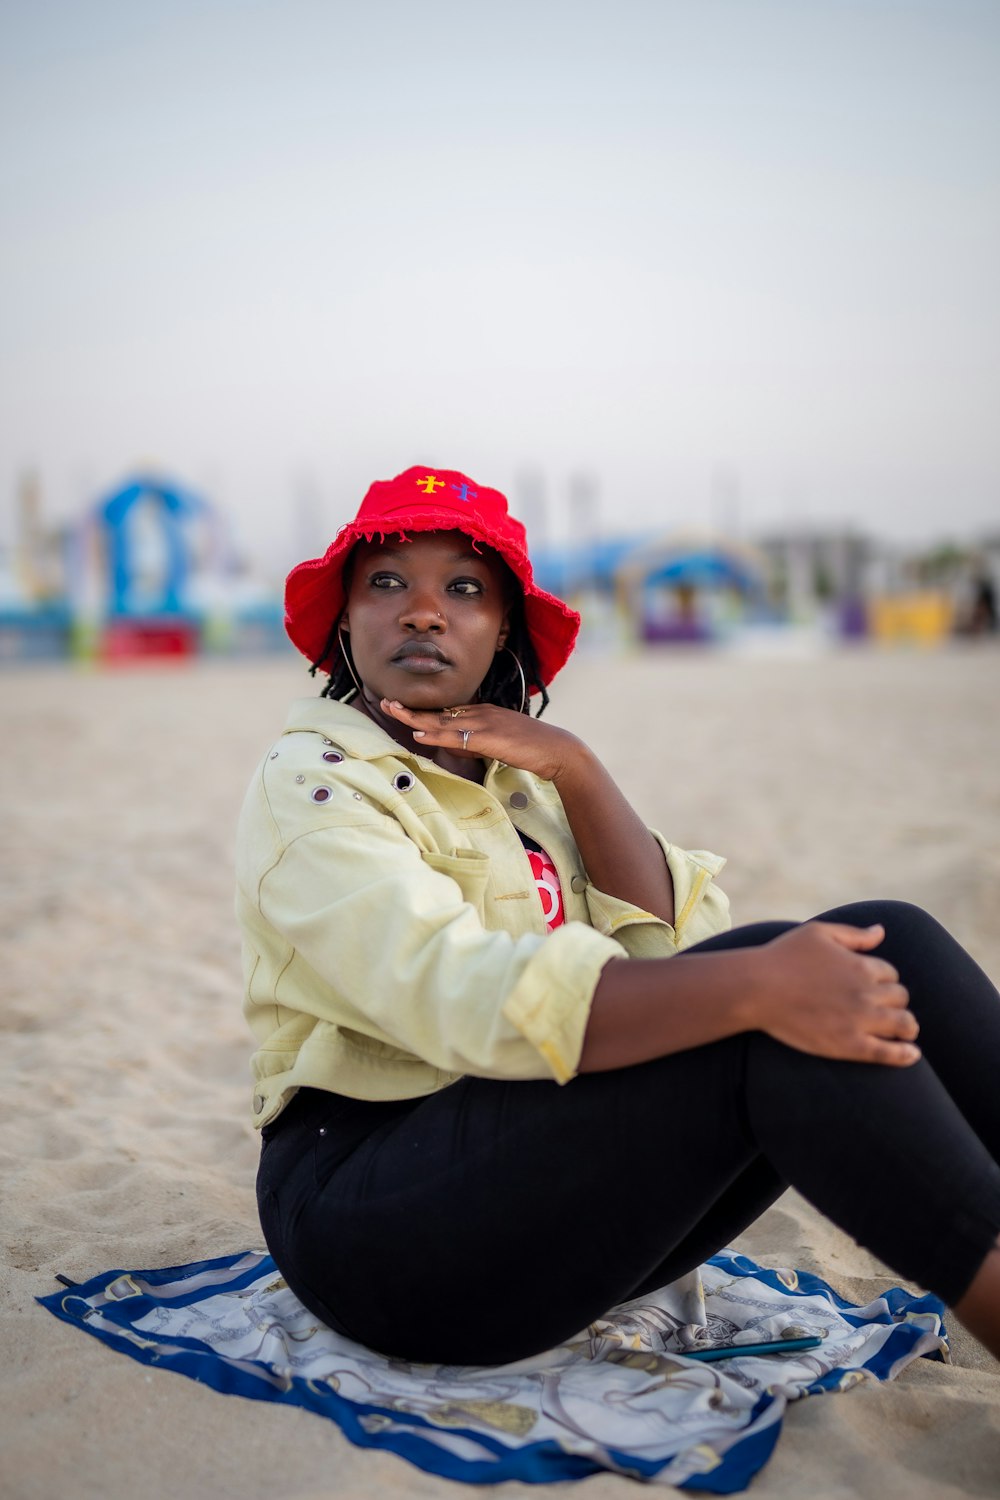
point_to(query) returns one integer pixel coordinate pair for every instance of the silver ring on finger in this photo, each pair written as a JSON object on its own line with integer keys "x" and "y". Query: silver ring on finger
{"x": 465, "y": 738}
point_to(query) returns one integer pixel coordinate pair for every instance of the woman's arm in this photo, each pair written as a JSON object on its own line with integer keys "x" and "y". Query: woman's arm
{"x": 619, "y": 853}
{"x": 815, "y": 988}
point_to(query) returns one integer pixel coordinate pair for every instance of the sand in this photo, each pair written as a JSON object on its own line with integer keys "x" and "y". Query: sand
{"x": 124, "y": 1137}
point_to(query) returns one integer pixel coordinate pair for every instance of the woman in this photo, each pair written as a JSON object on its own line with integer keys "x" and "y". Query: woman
{"x": 512, "y": 1066}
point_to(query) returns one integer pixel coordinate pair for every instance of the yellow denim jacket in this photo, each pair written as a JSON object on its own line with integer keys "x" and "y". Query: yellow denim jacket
{"x": 393, "y": 938}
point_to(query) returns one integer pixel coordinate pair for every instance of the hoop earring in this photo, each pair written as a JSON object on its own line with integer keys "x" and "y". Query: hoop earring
{"x": 347, "y": 659}
{"x": 520, "y": 673}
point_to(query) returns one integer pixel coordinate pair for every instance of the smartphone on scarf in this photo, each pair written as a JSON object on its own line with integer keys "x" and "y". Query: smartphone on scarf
{"x": 768, "y": 1346}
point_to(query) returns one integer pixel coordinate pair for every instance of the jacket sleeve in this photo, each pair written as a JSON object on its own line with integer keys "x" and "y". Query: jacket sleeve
{"x": 701, "y": 909}
{"x": 385, "y": 945}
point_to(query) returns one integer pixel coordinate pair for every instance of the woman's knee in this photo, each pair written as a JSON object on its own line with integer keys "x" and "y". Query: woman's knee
{"x": 929, "y": 961}
{"x": 753, "y": 935}
{"x": 899, "y": 918}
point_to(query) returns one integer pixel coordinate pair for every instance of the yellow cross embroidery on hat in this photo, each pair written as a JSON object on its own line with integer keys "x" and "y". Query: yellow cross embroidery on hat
{"x": 429, "y": 484}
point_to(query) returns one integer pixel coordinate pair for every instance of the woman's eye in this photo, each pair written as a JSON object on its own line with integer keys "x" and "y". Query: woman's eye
{"x": 385, "y": 581}
{"x": 468, "y": 586}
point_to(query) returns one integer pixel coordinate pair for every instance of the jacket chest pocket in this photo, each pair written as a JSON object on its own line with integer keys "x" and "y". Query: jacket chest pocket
{"x": 468, "y": 868}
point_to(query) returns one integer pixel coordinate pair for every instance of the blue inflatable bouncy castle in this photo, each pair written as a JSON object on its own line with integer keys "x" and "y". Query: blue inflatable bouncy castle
{"x": 150, "y": 533}
{"x": 691, "y": 587}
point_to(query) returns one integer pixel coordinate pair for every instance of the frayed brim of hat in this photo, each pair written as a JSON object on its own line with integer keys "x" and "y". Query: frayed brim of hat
{"x": 314, "y": 591}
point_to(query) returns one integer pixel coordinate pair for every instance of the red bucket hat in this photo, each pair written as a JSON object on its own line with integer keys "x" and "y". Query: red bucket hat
{"x": 425, "y": 500}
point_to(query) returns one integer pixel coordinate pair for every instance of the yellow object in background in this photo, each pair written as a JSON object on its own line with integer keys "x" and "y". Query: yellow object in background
{"x": 921, "y": 618}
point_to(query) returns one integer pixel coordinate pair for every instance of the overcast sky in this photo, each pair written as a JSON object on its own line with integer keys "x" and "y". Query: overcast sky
{"x": 736, "y": 260}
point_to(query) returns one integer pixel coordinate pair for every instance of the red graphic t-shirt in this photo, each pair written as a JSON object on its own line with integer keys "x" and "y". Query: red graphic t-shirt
{"x": 546, "y": 882}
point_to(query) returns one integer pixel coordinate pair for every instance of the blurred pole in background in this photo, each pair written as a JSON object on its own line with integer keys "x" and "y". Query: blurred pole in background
{"x": 584, "y": 529}
{"x": 584, "y": 508}
{"x": 532, "y": 507}
{"x": 724, "y": 504}
{"x": 309, "y": 538}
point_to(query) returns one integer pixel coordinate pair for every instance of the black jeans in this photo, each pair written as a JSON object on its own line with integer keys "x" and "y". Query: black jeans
{"x": 491, "y": 1220}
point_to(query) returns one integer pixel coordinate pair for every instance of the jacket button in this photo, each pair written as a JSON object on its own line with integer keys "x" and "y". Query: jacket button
{"x": 258, "y": 1103}
{"x": 579, "y": 883}
{"x": 518, "y": 799}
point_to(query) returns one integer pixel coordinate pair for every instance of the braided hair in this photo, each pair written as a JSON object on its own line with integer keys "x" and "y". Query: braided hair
{"x": 501, "y": 685}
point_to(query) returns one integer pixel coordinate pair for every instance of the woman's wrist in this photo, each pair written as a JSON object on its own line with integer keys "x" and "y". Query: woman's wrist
{"x": 578, "y": 767}
{"x": 748, "y": 998}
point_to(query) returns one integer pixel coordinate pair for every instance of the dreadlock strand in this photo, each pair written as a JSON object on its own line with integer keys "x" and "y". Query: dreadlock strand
{"x": 326, "y": 652}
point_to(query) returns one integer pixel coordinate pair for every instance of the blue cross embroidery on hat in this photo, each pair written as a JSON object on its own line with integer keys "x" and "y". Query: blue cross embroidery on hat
{"x": 464, "y": 493}
{"x": 429, "y": 484}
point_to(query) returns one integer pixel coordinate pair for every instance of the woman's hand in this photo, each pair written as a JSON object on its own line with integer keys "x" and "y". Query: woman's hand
{"x": 494, "y": 734}
{"x": 819, "y": 989}
{"x": 620, "y": 855}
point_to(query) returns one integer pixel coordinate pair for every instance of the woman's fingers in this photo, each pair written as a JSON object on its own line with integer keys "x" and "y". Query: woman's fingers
{"x": 435, "y": 726}
{"x": 857, "y": 938}
{"x": 884, "y": 1034}
{"x": 890, "y": 1054}
{"x": 500, "y": 733}
{"x": 892, "y": 996}
{"x": 429, "y": 719}
{"x": 899, "y": 1023}
{"x": 879, "y": 970}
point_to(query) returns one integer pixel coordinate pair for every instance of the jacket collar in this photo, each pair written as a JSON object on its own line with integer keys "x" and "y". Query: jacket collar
{"x": 352, "y": 730}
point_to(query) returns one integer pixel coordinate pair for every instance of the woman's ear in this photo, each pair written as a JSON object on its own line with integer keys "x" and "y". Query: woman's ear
{"x": 504, "y": 631}
{"x": 344, "y": 623}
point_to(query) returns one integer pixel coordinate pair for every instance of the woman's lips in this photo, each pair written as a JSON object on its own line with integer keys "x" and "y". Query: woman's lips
{"x": 421, "y": 665}
{"x": 420, "y": 657}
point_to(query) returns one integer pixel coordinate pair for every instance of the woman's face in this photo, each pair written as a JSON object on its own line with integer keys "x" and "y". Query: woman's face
{"x": 425, "y": 618}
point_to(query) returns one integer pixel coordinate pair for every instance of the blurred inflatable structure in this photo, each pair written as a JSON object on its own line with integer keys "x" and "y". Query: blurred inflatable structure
{"x": 692, "y": 587}
{"x": 683, "y": 587}
{"x": 149, "y": 571}
{"x": 145, "y": 544}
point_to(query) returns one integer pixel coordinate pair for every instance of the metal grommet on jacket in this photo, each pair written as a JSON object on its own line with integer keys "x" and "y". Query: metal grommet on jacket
{"x": 403, "y": 781}
{"x": 320, "y": 794}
